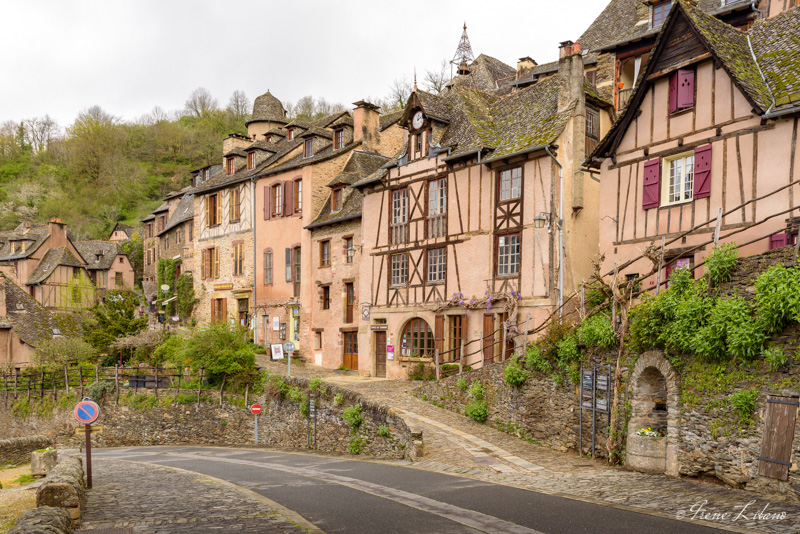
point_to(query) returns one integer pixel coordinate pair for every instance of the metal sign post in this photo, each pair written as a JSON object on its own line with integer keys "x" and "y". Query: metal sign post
{"x": 595, "y": 397}
{"x": 87, "y": 412}
{"x": 312, "y": 413}
{"x": 256, "y": 409}
{"x": 288, "y": 348}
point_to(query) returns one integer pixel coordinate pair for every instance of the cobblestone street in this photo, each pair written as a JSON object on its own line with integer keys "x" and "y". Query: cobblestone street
{"x": 143, "y": 499}
{"x": 456, "y": 444}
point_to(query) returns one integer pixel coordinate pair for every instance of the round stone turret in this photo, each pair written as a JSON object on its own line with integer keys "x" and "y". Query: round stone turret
{"x": 268, "y": 108}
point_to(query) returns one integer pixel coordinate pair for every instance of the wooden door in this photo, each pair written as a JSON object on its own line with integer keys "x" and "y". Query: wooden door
{"x": 350, "y": 359}
{"x": 438, "y": 335}
{"x": 350, "y": 302}
{"x": 488, "y": 338}
{"x": 776, "y": 443}
{"x": 380, "y": 354}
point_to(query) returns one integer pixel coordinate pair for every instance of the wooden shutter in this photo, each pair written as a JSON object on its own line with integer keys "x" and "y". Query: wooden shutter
{"x": 651, "y": 194}
{"x": 216, "y": 262}
{"x": 267, "y": 207}
{"x": 673, "y": 92}
{"x": 488, "y": 338}
{"x": 776, "y": 442}
{"x": 202, "y": 265}
{"x": 224, "y": 313}
{"x": 438, "y": 332}
{"x": 778, "y": 241}
{"x": 288, "y": 265}
{"x": 288, "y": 198}
{"x": 702, "y": 171}
{"x": 685, "y": 88}
{"x": 219, "y": 209}
{"x": 208, "y": 210}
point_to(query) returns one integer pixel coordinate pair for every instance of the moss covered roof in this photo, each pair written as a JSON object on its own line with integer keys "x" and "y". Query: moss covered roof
{"x": 776, "y": 42}
{"x": 32, "y": 322}
{"x": 98, "y": 255}
{"x": 52, "y": 259}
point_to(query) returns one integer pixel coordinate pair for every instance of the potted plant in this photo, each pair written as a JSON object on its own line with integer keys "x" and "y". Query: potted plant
{"x": 647, "y": 450}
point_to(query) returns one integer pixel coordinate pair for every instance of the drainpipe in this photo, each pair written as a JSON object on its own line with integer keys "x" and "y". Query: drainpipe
{"x": 753, "y": 5}
{"x": 560, "y": 224}
{"x": 255, "y": 278}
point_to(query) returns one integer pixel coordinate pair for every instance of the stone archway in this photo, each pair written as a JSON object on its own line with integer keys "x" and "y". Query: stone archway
{"x": 654, "y": 390}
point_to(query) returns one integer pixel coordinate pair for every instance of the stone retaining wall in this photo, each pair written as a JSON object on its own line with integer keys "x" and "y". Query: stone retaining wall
{"x": 18, "y": 450}
{"x": 43, "y": 520}
{"x": 165, "y": 422}
{"x": 64, "y": 487}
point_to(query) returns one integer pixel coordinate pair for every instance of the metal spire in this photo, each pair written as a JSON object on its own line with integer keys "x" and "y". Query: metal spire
{"x": 464, "y": 50}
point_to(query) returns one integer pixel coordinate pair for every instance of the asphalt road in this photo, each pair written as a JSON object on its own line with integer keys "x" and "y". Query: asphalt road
{"x": 339, "y": 494}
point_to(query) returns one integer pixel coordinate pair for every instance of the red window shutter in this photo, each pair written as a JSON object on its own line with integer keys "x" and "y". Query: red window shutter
{"x": 267, "y": 207}
{"x": 288, "y": 198}
{"x": 778, "y": 241}
{"x": 685, "y": 88}
{"x": 652, "y": 178}
{"x": 702, "y": 171}
{"x": 673, "y": 92}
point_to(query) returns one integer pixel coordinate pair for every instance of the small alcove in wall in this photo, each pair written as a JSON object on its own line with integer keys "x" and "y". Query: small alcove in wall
{"x": 654, "y": 393}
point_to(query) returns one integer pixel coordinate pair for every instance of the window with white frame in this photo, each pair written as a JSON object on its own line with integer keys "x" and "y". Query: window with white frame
{"x": 437, "y": 207}
{"x": 508, "y": 255}
{"x": 399, "y": 222}
{"x": 679, "y": 183}
{"x": 437, "y": 264}
{"x": 510, "y": 184}
{"x": 399, "y": 269}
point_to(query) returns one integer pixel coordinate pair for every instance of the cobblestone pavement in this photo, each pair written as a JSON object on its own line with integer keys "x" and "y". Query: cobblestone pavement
{"x": 455, "y": 444}
{"x": 144, "y": 499}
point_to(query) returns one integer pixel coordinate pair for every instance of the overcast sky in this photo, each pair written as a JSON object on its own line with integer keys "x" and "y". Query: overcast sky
{"x": 62, "y": 56}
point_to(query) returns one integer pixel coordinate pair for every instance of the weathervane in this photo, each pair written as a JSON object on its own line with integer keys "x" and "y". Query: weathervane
{"x": 463, "y": 56}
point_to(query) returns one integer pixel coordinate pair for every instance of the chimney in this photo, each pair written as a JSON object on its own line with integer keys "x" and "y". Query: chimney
{"x": 524, "y": 67}
{"x": 366, "y": 126}
{"x": 3, "y": 310}
{"x": 570, "y": 74}
{"x": 234, "y": 141}
{"x": 58, "y": 233}
{"x": 570, "y": 93}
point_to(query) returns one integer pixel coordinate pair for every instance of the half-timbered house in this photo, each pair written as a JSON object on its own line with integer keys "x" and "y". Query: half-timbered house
{"x": 452, "y": 251}
{"x": 711, "y": 128}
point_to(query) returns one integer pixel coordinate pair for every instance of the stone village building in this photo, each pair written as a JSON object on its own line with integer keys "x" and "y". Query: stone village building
{"x": 290, "y": 196}
{"x": 108, "y": 266}
{"x": 122, "y": 232}
{"x": 712, "y": 124}
{"x": 452, "y": 221}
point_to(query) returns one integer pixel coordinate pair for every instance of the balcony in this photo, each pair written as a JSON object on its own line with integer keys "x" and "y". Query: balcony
{"x": 624, "y": 97}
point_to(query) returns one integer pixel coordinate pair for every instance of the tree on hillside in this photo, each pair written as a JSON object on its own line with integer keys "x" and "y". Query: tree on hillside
{"x": 239, "y": 106}
{"x": 116, "y": 317}
{"x": 309, "y": 108}
{"x": 436, "y": 80}
{"x": 200, "y": 103}
{"x": 134, "y": 248}
{"x": 398, "y": 95}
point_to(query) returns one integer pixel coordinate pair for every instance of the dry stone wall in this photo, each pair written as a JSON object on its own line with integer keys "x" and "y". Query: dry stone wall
{"x": 18, "y": 450}
{"x": 144, "y": 420}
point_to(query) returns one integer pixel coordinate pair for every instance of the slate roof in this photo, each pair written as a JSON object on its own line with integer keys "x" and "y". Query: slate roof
{"x": 32, "y": 322}
{"x": 129, "y": 230}
{"x": 351, "y": 209}
{"x": 261, "y": 145}
{"x": 315, "y": 130}
{"x": 267, "y": 108}
{"x": 163, "y": 207}
{"x": 776, "y": 42}
{"x": 359, "y": 165}
{"x": 107, "y": 251}
{"x": 180, "y": 192}
{"x": 490, "y": 75}
{"x": 33, "y": 236}
{"x": 184, "y": 211}
{"x": 52, "y": 259}
{"x": 387, "y": 119}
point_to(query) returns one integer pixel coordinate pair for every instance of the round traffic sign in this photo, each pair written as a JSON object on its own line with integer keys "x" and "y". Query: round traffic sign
{"x": 288, "y": 346}
{"x": 256, "y": 409}
{"x": 87, "y": 412}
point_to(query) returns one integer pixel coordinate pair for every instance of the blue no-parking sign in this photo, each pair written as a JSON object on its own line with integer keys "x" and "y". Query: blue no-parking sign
{"x": 87, "y": 412}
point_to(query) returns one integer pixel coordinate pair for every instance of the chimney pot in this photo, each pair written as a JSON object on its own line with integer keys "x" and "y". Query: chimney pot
{"x": 366, "y": 125}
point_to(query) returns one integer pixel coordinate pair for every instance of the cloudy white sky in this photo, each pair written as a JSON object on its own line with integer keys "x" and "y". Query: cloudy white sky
{"x": 62, "y": 56}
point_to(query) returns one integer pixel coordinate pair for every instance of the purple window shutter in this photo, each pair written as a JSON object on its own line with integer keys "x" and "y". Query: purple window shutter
{"x": 652, "y": 178}
{"x": 685, "y": 88}
{"x": 778, "y": 241}
{"x": 702, "y": 171}
{"x": 673, "y": 92}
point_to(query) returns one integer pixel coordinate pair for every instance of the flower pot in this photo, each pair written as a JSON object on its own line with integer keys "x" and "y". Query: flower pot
{"x": 646, "y": 454}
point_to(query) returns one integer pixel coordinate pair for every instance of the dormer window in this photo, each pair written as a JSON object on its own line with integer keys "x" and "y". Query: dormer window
{"x": 659, "y": 12}
{"x": 308, "y": 148}
{"x": 268, "y": 138}
{"x": 229, "y": 166}
{"x": 205, "y": 174}
{"x": 338, "y": 138}
{"x": 97, "y": 258}
{"x": 336, "y": 199}
{"x": 251, "y": 159}
{"x": 290, "y": 134}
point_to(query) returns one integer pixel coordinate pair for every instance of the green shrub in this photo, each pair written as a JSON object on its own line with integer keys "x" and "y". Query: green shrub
{"x": 688, "y": 312}
{"x": 420, "y": 371}
{"x": 775, "y": 358}
{"x": 21, "y": 409}
{"x": 62, "y": 350}
{"x": 338, "y": 399}
{"x": 595, "y": 297}
{"x": 97, "y": 389}
{"x": 186, "y": 398}
{"x": 461, "y": 384}
{"x": 731, "y": 331}
{"x": 356, "y": 442}
{"x": 597, "y": 331}
{"x": 352, "y": 416}
{"x": 514, "y": 375}
{"x": 170, "y": 350}
{"x": 315, "y": 384}
{"x": 744, "y": 404}
{"x": 223, "y": 351}
{"x": 556, "y": 331}
{"x": 647, "y": 321}
{"x": 534, "y": 360}
{"x": 721, "y": 262}
{"x": 777, "y": 299}
{"x": 384, "y": 432}
{"x": 476, "y": 390}
{"x": 568, "y": 351}
{"x": 477, "y": 410}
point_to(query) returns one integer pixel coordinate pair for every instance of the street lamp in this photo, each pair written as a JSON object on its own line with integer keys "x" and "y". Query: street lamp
{"x": 542, "y": 220}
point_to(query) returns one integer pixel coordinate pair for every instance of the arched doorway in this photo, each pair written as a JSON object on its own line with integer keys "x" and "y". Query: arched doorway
{"x": 416, "y": 339}
{"x": 654, "y": 393}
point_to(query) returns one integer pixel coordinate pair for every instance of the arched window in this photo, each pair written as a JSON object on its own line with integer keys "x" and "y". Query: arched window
{"x": 418, "y": 338}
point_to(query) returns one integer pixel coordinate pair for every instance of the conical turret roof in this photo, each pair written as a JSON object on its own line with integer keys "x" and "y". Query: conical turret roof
{"x": 268, "y": 108}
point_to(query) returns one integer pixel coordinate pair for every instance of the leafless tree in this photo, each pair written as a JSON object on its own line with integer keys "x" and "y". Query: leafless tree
{"x": 200, "y": 103}
{"x": 40, "y": 131}
{"x": 239, "y": 106}
{"x": 399, "y": 92}
{"x": 436, "y": 80}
